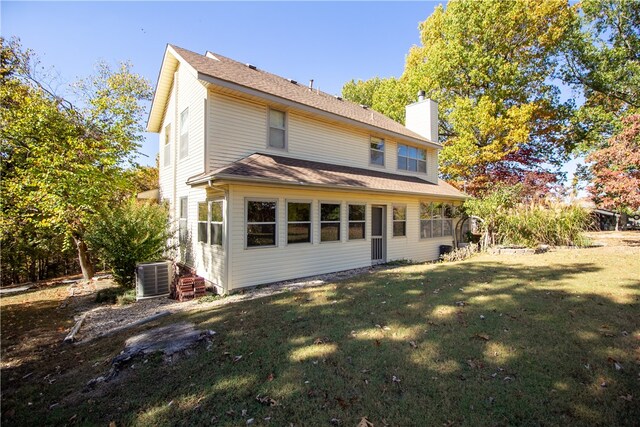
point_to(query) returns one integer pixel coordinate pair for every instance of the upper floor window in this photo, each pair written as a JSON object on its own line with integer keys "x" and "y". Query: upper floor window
{"x": 412, "y": 159}
{"x": 184, "y": 133}
{"x": 277, "y": 129}
{"x": 377, "y": 151}
{"x": 167, "y": 145}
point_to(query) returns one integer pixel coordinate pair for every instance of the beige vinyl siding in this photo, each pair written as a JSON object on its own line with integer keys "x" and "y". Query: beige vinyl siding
{"x": 238, "y": 128}
{"x": 254, "y": 266}
{"x": 165, "y": 173}
{"x": 192, "y": 95}
{"x": 186, "y": 92}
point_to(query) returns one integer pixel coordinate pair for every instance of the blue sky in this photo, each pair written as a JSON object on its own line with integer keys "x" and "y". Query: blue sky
{"x": 330, "y": 42}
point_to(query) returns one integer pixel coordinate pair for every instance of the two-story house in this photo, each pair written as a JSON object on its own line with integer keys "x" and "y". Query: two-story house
{"x": 269, "y": 179}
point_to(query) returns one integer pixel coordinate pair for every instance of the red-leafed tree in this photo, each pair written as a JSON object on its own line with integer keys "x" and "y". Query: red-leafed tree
{"x": 615, "y": 184}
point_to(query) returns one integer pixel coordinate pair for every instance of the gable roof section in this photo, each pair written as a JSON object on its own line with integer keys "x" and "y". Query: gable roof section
{"x": 270, "y": 169}
{"x": 217, "y": 69}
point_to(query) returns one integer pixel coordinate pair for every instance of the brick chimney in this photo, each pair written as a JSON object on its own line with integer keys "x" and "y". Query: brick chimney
{"x": 422, "y": 117}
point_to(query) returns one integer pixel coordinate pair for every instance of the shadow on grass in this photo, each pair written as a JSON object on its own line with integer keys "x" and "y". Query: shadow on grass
{"x": 469, "y": 343}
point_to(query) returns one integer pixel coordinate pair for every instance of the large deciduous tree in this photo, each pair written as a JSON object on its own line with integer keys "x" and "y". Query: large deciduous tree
{"x": 615, "y": 170}
{"x": 489, "y": 65}
{"x": 62, "y": 162}
{"x": 602, "y": 61}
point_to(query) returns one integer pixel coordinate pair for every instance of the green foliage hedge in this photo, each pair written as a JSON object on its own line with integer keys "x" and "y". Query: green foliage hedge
{"x": 129, "y": 234}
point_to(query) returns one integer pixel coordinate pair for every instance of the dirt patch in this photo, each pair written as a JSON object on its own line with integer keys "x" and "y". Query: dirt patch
{"x": 104, "y": 318}
{"x": 615, "y": 238}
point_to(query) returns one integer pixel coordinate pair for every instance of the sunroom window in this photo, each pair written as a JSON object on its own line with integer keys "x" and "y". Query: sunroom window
{"x": 329, "y": 222}
{"x": 298, "y": 222}
{"x": 261, "y": 223}
{"x": 356, "y": 222}
{"x": 436, "y": 219}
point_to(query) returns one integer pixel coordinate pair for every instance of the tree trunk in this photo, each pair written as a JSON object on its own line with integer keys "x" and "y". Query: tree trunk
{"x": 83, "y": 258}
{"x": 622, "y": 219}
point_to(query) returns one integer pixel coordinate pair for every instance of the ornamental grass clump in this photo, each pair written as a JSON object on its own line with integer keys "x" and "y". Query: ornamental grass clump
{"x": 552, "y": 224}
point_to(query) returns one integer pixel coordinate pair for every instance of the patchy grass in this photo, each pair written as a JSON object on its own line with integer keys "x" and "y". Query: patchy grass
{"x": 116, "y": 295}
{"x": 494, "y": 340}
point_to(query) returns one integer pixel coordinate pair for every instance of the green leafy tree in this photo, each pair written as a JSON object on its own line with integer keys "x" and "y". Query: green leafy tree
{"x": 489, "y": 65}
{"x": 128, "y": 234}
{"x": 491, "y": 209}
{"x": 61, "y": 163}
{"x": 144, "y": 178}
{"x": 602, "y": 61}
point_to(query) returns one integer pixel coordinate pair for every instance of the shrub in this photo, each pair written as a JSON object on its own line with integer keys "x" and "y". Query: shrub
{"x": 129, "y": 234}
{"x": 460, "y": 254}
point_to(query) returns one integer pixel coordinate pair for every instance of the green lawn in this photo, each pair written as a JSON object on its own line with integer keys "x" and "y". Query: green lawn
{"x": 549, "y": 339}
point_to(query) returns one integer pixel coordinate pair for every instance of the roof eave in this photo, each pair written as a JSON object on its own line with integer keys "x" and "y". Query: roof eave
{"x": 307, "y": 108}
{"x": 162, "y": 92}
{"x": 226, "y": 178}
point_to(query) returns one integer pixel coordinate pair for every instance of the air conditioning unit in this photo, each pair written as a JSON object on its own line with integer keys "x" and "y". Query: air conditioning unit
{"x": 153, "y": 279}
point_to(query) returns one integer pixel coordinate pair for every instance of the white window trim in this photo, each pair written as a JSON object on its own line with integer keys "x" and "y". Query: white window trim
{"x": 246, "y": 222}
{"x": 320, "y": 221}
{"x": 286, "y": 129}
{"x": 426, "y": 159}
{"x": 383, "y": 151}
{"x": 405, "y": 220}
{"x": 286, "y": 218}
{"x": 364, "y": 221}
{"x": 188, "y": 121}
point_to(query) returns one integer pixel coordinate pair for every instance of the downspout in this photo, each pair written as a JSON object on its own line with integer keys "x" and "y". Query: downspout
{"x": 227, "y": 240}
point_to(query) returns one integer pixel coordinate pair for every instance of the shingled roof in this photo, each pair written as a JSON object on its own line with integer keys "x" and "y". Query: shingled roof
{"x": 272, "y": 169}
{"x": 216, "y": 68}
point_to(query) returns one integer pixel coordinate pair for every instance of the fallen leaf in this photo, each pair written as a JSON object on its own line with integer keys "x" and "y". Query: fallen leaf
{"x": 237, "y": 358}
{"x": 484, "y": 337}
{"x": 364, "y": 422}
{"x": 266, "y": 400}
{"x": 413, "y": 344}
{"x": 628, "y": 398}
{"x": 270, "y": 377}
